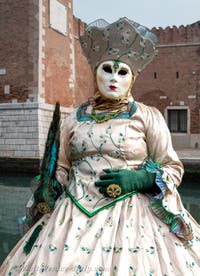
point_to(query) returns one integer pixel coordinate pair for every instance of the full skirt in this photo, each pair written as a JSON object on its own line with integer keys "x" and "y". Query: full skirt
{"x": 125, "y": 239}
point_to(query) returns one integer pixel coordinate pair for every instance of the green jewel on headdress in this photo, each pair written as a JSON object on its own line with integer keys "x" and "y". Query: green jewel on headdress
{"x": 116, "y": 64}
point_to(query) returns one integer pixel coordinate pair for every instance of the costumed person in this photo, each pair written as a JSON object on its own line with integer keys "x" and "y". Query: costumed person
{"x": 121, "y": 213}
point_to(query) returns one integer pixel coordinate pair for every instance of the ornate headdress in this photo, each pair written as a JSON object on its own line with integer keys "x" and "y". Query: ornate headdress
{"x": 123, "y": 40}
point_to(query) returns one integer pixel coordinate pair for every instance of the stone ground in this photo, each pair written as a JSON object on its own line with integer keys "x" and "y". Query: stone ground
{"x": 189, "y": 154}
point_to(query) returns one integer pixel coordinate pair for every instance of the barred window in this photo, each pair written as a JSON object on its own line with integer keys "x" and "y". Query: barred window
{"x": 177, "y": 120}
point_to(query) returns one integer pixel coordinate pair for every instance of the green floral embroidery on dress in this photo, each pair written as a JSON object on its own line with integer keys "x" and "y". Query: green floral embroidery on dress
{"x": 115, "y": 270}
{"x": 107, "y": 249}
{"x": 88, "y": 197}
{"x": 78, "y": 233}
{"x": 159, "y": 228}
{"x": 109, "y": 222}
{"x": 151, "y": 250}
{"x": 103, "y": 139}
{"x": 66, "y": 247}
{"x": 190, "y": 265}
{"x": 80, "y": 160}
{"x": 130, "y": 225}
{"x": 78, "y": 269}
{"x": 117, "y": 250}
{"x": 178, "y": 244}
{"x": 64, "y": 214}
{"x": 99, "y": 271}
{"x": 121, "y": 138}
{"x": 43, "y": 267}
{"x": 134, "y": 249}
{"x": 98, "y": 234}
{"x": 89, "y": 223}
{"x": 151, "y": 272}
{"x": 86, "y": 250}
{"x": 52, "y": 248}
{"x": 132, "y": 272}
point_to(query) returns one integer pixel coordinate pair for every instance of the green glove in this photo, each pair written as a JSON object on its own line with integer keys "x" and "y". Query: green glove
{"x": 128, "y": 180}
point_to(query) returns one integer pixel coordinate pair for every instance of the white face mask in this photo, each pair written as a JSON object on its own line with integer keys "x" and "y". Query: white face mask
{"x": 114, "y": 79}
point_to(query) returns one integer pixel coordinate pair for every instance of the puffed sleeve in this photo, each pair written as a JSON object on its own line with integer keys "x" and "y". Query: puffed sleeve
{"x": 160, "y": 148}
{"x": 169, "y": 171}
{"x": 63, "y": 164}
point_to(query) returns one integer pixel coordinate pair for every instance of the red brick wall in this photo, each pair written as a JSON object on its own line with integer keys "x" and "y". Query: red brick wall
{"x": 19, "y": 55}
{"x": 17, "y": 51}
{"x": 84, "y": 75}
{"x": 56, "y": 61}
{"x": 179, "y": 51}
{"x": 60, "y": 60}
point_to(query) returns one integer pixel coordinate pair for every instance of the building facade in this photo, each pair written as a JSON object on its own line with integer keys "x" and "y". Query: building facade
{"x": 172, "y": 83}
{"x": 41, "y": 62}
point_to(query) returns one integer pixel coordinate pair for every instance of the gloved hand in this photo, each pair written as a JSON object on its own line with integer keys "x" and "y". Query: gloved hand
{"x": 128, "y": 180}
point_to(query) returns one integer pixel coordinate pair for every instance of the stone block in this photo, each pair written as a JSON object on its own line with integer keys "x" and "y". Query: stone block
{"x": 15, "y": 141}
{"x": 23, "y": 154}
{"x": 32, "y": 141}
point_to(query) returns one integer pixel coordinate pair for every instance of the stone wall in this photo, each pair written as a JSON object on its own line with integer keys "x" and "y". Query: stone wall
{"x": 19, "y": 133}
{"x": 24, "y": 128}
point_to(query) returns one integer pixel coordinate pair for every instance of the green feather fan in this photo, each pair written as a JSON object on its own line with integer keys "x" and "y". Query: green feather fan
{"x": 49, "y": 189}
{"x": 47, "y": 192}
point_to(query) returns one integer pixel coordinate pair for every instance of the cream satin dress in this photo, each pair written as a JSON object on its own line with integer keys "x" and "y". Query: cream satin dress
{"x": 88, "y": 234}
